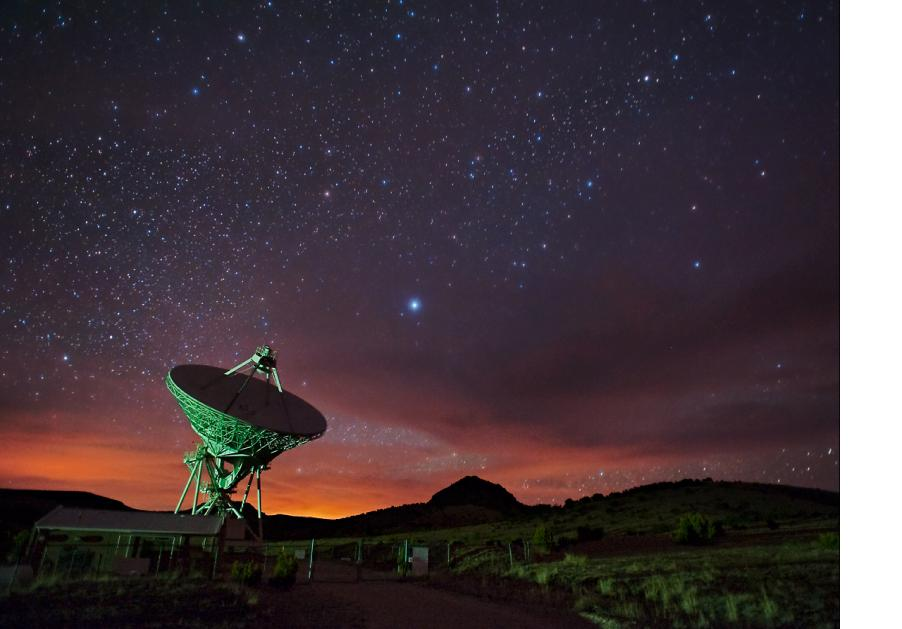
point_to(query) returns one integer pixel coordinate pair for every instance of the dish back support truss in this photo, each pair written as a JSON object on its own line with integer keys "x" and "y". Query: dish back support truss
{"x": 232, "y": 450}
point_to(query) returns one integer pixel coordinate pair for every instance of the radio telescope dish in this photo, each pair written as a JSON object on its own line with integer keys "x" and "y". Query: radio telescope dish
{"x": 244, "y": 423}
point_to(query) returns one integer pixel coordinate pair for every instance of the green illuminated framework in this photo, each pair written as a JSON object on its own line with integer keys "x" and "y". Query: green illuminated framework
{"x": 231, "y": 451}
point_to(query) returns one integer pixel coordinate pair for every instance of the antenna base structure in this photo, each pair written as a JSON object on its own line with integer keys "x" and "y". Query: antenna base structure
{"x": 244, "y": 423}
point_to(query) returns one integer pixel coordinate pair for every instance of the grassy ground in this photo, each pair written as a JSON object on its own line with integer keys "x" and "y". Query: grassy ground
{"x": 763, "y": 584}
{"x": 794, "y": 584}
{"x": 754, "y": 578}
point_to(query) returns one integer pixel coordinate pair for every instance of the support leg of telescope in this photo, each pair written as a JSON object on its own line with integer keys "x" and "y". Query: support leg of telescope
{"x": 247, "y": 490}
{"x": 259, "y": 505}
{"x": 239, "y": 366}
{"x": 212, "y": 495}
{"x": 187, "y": 485}
{"x": 196, "y": 489}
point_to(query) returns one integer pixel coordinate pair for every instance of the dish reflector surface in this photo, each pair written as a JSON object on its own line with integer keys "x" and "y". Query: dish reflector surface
{"x": 259, "y": 403}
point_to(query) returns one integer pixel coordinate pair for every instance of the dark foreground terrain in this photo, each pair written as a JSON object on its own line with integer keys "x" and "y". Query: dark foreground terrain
{"x": 695, "y": 553}
{"x": 367, "y": 605}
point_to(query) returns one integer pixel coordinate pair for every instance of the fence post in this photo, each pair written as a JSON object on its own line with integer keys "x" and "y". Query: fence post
{"x": 71, "y": 561}
{"x": 510, "y": 554}
{"x": 449, "y": 554}
{"x": 358, "y": 565}
{"x": 215, "y": 560}
{"x": 310, "y": 560}
{"x": 402, "y": 565}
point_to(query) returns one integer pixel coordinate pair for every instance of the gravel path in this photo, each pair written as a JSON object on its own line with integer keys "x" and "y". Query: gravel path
{"x": 392, "y": 605}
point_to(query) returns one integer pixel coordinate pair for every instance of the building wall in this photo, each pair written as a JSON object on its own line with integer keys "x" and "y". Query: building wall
{"x": 78, "y": 554}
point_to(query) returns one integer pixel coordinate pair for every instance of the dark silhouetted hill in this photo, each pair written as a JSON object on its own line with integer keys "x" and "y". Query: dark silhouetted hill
{"x": 472, "y": 490}
{"x": 650, "y": 508}
{"x": 22, "y": 507}
{"x": 469, "y": 501}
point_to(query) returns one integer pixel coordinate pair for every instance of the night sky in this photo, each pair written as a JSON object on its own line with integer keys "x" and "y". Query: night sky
{"x": 571, "y": 247}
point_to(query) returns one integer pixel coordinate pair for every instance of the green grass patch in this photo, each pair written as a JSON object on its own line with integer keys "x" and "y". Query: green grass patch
{"x": 759, "y": 586}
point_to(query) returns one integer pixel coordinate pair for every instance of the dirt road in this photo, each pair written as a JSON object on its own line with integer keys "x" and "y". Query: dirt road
{"x": 393, "y": 605}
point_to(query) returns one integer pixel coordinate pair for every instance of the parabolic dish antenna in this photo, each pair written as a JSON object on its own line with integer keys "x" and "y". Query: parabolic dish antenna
{"x": 244, "y": 422}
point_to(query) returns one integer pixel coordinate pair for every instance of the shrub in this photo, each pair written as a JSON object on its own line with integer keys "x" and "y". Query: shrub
{"x": 769, "y": 608}
{"x": 828, "y": 541}
{"x": 542, "y": 537}
{"x": 695, "y": 528}
{"x": 247, "y": 572}
{"x": 545, "y": 575}
{"x": 285, "y": 572}
{"x": 19, "y": 542}
{"x": 575, "y": 560}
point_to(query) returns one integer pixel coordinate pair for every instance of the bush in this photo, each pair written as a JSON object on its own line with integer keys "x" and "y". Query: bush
{"x": 545, "y": 574}
{"x": 828, "y": 541}
{"x": 542, "y": 537}
{"x": 695, "y": 528}
{"x": 285, "y": 572}
{"x": 247, "y": 572}
{"x": 575, "y": 560}
{"x": 17, "y": 545}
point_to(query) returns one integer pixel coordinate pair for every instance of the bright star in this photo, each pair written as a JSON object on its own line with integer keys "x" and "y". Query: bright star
{"x": 414, "y": 304}
{"x": 696, "y": 264}
{"x": 240, "y": 38}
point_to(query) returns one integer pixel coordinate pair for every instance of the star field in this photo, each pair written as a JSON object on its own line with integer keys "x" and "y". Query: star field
{"x": 569, "y": 247}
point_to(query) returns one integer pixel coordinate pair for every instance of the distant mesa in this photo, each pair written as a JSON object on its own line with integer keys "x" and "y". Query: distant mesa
{"x": 472, "y": 490}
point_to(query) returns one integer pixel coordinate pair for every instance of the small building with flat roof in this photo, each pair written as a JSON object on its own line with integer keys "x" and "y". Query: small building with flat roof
{"x": 73, "y": 542}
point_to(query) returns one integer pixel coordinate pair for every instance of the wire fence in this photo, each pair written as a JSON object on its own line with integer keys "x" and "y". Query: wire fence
{"x": 324, "y": 560}
{"x": 363, "y": 559}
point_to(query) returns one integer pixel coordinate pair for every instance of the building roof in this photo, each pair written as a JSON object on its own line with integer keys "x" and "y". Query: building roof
{"x": 146, "y": 522}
